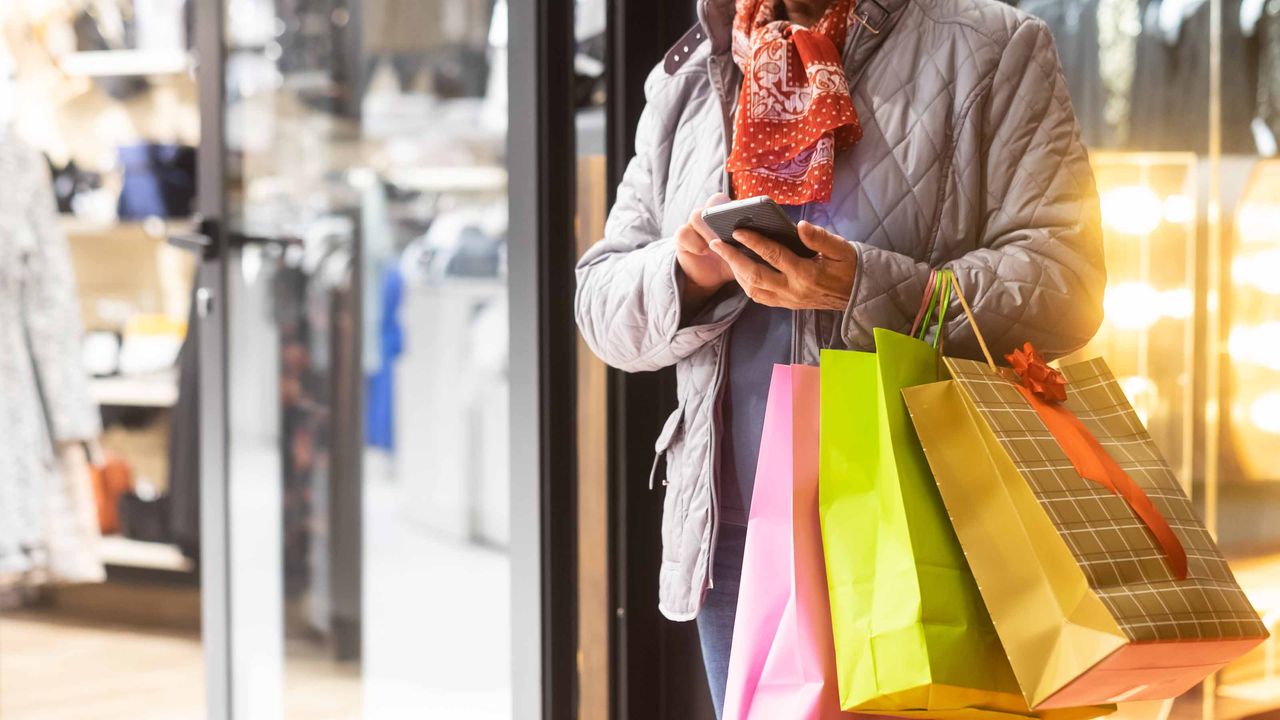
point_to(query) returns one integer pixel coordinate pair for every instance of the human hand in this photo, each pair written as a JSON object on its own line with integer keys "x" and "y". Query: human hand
{"x": 705, "y": 272}
{"x": 823, "y": 282}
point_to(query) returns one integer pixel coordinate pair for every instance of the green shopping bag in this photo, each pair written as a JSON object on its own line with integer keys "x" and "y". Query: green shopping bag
{"x": 912, "y": 635}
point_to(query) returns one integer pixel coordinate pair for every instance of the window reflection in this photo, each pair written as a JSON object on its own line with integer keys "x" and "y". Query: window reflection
{"x": 370, "y": 135}
{"x": 1178, "y": 102}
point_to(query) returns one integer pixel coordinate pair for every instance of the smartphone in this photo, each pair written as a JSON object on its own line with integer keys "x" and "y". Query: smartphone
{"x": 761, "y": 214}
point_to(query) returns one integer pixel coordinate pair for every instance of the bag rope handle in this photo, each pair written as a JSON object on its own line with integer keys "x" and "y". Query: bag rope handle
{"x": 926, "y": 304}
{"x": 973, "y": 323}
{"x": 944, "y": 283}
{"x": 937, "y": 299}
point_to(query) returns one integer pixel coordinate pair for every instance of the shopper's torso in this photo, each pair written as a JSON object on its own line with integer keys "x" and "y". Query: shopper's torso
{"x": 911, "y": 185}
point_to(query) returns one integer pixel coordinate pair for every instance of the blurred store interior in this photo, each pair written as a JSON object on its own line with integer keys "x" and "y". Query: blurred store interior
{"x": 366, "y": 176}
{"x": 364, "y": 152}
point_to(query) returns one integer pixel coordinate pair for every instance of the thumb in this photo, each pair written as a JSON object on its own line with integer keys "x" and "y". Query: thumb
{"x": 717, "y": 199}
{"x": 821, "y": 241}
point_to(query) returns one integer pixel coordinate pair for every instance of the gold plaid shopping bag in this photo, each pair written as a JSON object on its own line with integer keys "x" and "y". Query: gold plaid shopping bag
{"x": 1101, "y": 582}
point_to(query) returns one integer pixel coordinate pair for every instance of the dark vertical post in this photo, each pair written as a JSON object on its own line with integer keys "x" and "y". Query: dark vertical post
{"x": 656, "y": 667}
{"x": 541, "y": 161}
{"x": 210, "y": 311}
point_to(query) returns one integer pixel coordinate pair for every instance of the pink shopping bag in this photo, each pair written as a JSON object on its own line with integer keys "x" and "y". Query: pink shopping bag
{"x": 783, "y": 663}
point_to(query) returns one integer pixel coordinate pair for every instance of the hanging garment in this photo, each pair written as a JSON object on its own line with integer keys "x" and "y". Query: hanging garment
{"x": 104, "y": 32}
{"x": 72, "y": 538}
{"x": 1171, "y": 87}
{"x": 1097, "y": 41}
{"x": 379, "y": 419}
{"x": 159, "y": 181}
{"x": 69, "y": 181}
{"x": 111, "y": 481}
{"x": 1119, "y": 24}
{"x": 1268, "y": 104}
{"x": 184, "y": 439}
{"x": 43, "y": 389}
{"x": 413, "y": 26}
{"x": 1148, "y": 94}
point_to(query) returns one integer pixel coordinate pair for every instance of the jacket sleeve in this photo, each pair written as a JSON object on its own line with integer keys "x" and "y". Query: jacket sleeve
{"x": 629, "y": 284}
{"x": 51, "y": 314}
{"x": 1036, "y": 273}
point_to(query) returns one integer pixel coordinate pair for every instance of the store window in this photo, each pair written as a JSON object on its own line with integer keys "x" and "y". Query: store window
{"x": 98, "y": 130}
{"x": 362, "y": 199}
{"x": 366, "y": 142}
{"x": 1177, "y": 102}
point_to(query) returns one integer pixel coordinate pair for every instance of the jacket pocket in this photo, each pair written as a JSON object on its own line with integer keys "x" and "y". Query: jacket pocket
{"x": 670, "y": 431}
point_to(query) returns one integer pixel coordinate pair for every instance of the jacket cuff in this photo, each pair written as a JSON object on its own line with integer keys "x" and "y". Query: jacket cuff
{"x": 715, "y": 314}
{"x": 887, "y": 291}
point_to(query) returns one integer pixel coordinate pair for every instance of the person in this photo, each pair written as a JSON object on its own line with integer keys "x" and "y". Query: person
{"x": 904, "y": 136}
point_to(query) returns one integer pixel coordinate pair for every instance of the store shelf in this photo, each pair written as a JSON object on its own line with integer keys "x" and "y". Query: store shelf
{"x": 116, "y": 63}
{"x": 121, "y": 551}
{"x": 154, "y": 391}
{"x": 155, "y": 227}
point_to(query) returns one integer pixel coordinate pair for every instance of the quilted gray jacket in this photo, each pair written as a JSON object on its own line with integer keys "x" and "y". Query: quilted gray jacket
{"x": 970, "y": 160}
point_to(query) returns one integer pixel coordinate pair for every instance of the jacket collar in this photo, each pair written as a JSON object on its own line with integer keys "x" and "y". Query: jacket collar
{"x": 876, "y": 16}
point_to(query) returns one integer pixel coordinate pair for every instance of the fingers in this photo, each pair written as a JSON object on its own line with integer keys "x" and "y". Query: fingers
{"x": 771, "y": 252}
{"x": 823, "y": 242}
{"x": 690, "y": 240}
{"x": 700, "y": 225}
{"x": 757, "y": 281}
{"x": 694, "y": 236}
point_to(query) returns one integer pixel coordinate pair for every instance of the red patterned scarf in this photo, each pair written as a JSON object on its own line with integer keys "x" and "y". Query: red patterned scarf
{"x": 794, "y": 111}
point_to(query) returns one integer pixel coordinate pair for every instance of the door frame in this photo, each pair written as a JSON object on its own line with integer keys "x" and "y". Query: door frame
{"x": 543, "y": 372}
{"x": 212, "y": 329}
{"x": 656, "y": 667}
{"x": 544, "y": 473}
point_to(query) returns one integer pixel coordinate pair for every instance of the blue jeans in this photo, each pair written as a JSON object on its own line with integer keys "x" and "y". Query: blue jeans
{"x": 715, "y": 622}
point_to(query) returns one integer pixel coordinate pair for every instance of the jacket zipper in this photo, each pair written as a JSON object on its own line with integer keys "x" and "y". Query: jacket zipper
{"x": 796, "y": 314}
{"x": 713, "y": 64}
{"x": 714, "y": 445}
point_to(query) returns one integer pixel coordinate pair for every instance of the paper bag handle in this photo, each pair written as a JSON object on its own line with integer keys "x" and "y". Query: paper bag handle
{"x": 942, "y": 285}
{"x": 937, "y": 299}
{"x": 927, "y": 302}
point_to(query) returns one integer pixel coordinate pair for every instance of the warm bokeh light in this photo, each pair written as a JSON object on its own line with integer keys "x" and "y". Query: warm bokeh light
{"x": 1264, "y": 412}
{"x": 1131, "y": 209}
{"x": 1177, "y": 303}
{"x": 1143, "y": 395}
{"x": 1179, "y": 210}
{"x": 1131, "y": 305}
{"x": 1256, "y": 345}
{"x": 1258, "y": 222}
{"x": 1259, "y": 270}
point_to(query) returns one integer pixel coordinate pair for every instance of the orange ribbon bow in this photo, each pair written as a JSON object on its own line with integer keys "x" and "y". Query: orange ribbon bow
{"x": 1046, "y": 382}
{"x": 1045, "y": 388}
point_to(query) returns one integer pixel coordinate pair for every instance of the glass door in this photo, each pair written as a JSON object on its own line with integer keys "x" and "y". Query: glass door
{"x": 361, "y": 512}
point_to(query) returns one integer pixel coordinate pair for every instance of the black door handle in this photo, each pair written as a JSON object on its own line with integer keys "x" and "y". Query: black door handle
{"x": 202, "y": 243}
{"x": 240, "y": 240}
